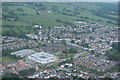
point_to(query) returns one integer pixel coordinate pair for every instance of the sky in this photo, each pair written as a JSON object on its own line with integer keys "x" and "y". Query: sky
{"x": 60, "y": 0}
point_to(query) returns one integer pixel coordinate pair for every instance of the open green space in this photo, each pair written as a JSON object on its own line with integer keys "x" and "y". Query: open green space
{"x": 65, "y": 56}
{"x": 54, "y": 14}
{"x": 7, "y": 59}
{"x": 36, "y": 13}
{"x": 14, "y": 23}
{"x": 46, "y": 19}
{"x": 85, "y": 54}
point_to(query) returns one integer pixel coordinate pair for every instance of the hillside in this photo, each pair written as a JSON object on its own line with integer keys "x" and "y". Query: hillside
{"x": 55, "y": 14}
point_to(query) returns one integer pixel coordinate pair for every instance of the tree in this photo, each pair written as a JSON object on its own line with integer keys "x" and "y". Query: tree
{"x": 72, "y": 41}
{"x": 71, "y": 50}
{"x": 92, "y": 52}
{"x": 116, "y": 46}
{"x": 114, "y": 54}
{"x": 54, "y": 8}
{"x": 10, "y": 75}
{"x": 58, "y": 20}
{"x": 85, "y": 45}
{"x": 20, "y": 9}
{"x": 27, "y": 72}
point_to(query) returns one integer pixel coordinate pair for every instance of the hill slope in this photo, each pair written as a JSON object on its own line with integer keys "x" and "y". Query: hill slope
{"x": 54, "y": 14}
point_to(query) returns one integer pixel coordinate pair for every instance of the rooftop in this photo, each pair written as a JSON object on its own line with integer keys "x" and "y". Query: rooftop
{"x": 42, "y": 57}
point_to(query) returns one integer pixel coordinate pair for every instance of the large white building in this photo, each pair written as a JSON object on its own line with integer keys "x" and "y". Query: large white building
{"x": 23, "y": 53}
{"x": 42, "y": 57}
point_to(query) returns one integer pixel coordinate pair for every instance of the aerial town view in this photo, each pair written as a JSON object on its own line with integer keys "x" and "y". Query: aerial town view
{"x": 60, "y": 41}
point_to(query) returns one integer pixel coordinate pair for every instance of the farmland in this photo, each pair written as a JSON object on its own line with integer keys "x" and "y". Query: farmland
{"x": 47, "y": 13}
{"x": 53, "y": 14}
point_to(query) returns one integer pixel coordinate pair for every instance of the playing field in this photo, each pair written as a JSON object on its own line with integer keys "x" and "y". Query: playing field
{"x": 7, "y": 59}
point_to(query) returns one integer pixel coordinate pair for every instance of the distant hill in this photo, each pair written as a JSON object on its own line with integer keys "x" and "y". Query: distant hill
{"x": 50, "y": 14}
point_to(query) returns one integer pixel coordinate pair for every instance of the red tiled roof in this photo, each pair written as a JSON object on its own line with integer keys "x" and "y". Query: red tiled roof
{"x": 21, "y": 61}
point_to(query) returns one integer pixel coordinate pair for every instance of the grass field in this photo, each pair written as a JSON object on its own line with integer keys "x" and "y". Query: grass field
{"x": 19, "y": 30}
{"x": 15, "y": 23}
{"x": 69, "y": 55}
{"x": 49, "y": 19}
{"x": 46, "y": 19}
{"x": 6, "y": 59}
{"x": 28, "y": 15}
{"x": 85, "y": 54}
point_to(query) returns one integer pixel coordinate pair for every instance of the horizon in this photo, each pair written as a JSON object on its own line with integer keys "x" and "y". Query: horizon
{"x": 60, "y": 0}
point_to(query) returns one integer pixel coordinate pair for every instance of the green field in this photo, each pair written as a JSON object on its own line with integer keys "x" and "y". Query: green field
{"x": 14, "y": 23}
{"x": 31, "y": 17}
{"x": 6, "y": 59}
{"x": 46, "y": 19}
{"x": 30, "y": 14}
{"x": 85, "y": 54}
{"x": 49, "y": 19}
{"x": 69, "y": 55}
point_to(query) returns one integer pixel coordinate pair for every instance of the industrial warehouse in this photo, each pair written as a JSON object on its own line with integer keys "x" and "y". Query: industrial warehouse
{"x": 42, "y": 57}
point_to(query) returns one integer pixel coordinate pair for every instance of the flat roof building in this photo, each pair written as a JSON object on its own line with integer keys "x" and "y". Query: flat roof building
{"x": 42, "y": 57}
{"x": 23, "y": 53}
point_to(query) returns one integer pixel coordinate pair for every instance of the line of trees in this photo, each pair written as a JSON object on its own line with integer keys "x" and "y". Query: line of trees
{"x": 71, "y": 50}
{"x": 27, "y": 72}
{"x": 10, "y": 76}
{"x": 12, "y": 33}
{"x": 106, "y": 16}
